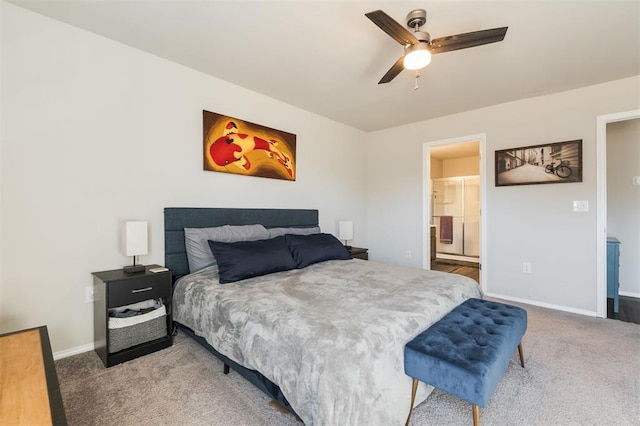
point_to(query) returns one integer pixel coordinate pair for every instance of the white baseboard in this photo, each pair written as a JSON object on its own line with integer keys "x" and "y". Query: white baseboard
{"x": 629, "y": 294}
{"x": 73, "y": 351}
{"x": 544, "y": 305}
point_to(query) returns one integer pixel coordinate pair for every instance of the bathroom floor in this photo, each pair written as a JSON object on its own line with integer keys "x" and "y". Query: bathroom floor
{"x": 468, "y": 269}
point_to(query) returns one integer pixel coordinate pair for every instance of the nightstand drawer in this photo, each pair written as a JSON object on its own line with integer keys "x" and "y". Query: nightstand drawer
{"x": 138, "y": 289}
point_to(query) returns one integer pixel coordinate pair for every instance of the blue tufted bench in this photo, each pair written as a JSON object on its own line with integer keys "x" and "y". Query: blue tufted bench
{"x": 467, "y": 352}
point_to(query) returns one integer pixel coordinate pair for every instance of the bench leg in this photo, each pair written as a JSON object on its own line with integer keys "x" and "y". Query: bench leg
{"x": 521, "y": 354}
{"x": 226, "y": 369}
{"x": 476, "y": 415}
{"x": 413, "y": 398}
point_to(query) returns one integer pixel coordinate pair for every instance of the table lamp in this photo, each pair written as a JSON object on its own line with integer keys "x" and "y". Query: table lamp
{"x": 345, "y": 232}
{"x": 135, "y": 241}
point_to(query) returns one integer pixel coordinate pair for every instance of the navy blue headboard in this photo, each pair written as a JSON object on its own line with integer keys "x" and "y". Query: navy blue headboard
{"x": 178, "y": 218}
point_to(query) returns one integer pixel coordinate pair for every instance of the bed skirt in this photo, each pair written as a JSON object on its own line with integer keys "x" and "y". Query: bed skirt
{"x": 253, "y": 376}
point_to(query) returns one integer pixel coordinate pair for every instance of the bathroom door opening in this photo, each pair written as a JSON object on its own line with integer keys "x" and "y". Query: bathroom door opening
{"x": 456, "y": 217}
{"x": 460, "y": 157}
{"x": 454, "y": 188}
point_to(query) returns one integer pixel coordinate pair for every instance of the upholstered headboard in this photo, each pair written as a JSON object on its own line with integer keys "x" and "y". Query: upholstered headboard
{"x": 178, "y": 218}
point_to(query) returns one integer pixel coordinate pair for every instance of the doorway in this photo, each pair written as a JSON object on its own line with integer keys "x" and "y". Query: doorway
{"x": 454, "y": 196}
{"x": 623, "y": 220}
{"x": 602, "y": 123}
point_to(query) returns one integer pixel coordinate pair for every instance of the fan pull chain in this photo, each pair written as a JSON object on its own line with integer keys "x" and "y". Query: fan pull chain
{"x": 416, "y": 28}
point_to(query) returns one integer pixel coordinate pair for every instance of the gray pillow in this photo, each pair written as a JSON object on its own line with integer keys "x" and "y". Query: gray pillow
{"x": 276, "y": 232}
{"x": 196, "y": 240}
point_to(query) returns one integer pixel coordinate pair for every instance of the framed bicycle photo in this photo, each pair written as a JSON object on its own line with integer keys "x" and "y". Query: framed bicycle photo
{"x": 559, "y": 162}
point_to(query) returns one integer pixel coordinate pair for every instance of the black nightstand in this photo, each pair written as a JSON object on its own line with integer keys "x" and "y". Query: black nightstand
{"x": 358, "y": 252}
{"x": 115, "y": 288}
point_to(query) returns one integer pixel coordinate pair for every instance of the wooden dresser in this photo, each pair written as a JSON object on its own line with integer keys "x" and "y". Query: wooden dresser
{"x": 29, "y": 390}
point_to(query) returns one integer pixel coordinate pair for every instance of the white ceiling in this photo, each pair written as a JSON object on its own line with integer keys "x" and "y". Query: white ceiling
{"x": 327, "y": 57}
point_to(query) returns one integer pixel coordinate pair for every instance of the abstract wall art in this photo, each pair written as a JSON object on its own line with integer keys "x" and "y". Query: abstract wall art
{"x": 240, "y": 147}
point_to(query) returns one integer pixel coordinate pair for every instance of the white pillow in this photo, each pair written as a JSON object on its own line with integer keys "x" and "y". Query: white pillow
{"x": 198, "y": 251}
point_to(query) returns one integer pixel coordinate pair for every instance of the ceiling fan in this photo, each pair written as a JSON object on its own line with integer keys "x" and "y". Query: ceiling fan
{"x": 418, "y": 46}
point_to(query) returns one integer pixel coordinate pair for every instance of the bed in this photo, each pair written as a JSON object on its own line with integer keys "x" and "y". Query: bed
{"x": 326, "y": 340}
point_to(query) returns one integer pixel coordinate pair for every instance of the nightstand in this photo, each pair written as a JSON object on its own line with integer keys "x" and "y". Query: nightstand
{"x": 358, "y": 252}
{"x": 113, "y": 289}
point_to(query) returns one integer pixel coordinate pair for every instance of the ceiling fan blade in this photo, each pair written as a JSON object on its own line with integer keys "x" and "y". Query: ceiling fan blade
{"x": 393, "y": 71}
{"x": 466, "y": 40}
{"x": 392, "y": 27}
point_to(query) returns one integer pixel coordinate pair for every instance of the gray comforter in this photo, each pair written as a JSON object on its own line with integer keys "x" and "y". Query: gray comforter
{"x": 331, "y": 335}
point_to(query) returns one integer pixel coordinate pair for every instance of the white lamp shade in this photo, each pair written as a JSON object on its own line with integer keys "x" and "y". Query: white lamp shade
{"x": 345, "y": 230}
{"x": 135, "y": 241}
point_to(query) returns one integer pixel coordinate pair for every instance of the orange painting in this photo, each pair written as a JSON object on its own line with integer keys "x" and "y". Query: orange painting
{"x": 240, "y": 147}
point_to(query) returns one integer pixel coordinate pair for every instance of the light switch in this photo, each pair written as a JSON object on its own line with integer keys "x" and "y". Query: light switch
{"x": 581, "y": 206}
{"x": 636, "y": 180}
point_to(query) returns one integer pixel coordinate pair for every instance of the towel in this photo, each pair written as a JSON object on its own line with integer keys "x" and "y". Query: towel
{"x": 446, "y": 229}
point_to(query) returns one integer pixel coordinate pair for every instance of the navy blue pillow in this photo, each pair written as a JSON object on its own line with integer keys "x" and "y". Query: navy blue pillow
{"x": 314, "y": 248}
{"x": 246, "y": 259}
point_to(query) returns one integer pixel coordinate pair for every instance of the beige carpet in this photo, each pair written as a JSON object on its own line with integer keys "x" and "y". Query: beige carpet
{"x": 579, "y": 371}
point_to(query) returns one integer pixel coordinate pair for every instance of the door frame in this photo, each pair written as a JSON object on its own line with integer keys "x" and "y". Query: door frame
{"x": 601, "y": 202}
{"x": 426, "y": 198}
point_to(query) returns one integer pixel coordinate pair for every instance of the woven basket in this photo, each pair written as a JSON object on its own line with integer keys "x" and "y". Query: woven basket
{"x": 126, "y": 337}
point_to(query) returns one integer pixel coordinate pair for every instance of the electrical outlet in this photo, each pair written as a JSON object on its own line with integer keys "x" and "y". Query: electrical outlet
{"x": 407, "y": 254}
{"x": 89, "y": 294}
{"x": 526, "y": 267}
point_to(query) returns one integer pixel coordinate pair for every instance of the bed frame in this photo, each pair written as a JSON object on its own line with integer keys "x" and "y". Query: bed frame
{"x": 175, "y": 256}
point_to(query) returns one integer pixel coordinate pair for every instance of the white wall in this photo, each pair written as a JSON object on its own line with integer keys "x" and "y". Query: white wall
{"x": 464, "y": 166}
{"x": 454, "y": 167}
{"x": 623, "y": 199}
{"x": 435, "y": 169}
{"x": 96, "y": 133}
{"x": 533, "y": 223}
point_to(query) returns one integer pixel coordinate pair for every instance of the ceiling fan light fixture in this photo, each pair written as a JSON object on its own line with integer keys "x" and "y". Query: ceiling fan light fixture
{"x": 417, "y": 56}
